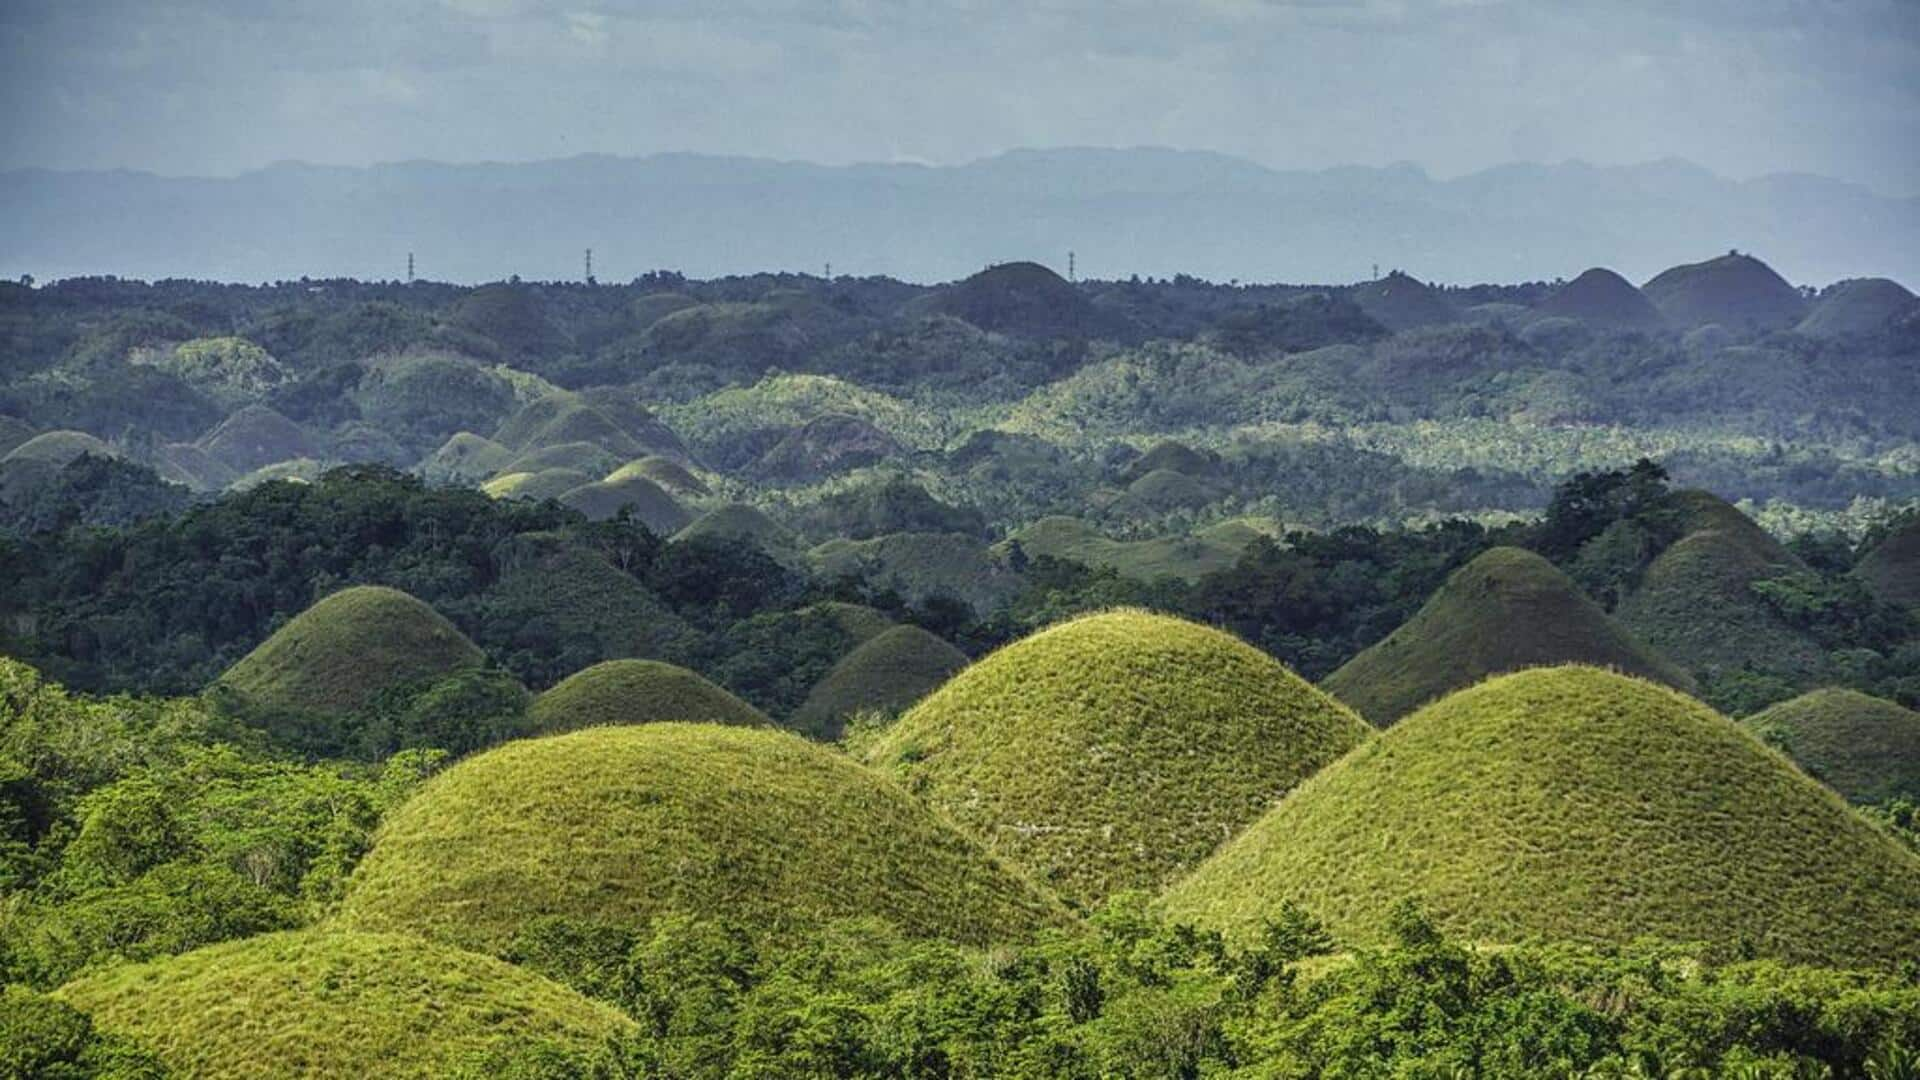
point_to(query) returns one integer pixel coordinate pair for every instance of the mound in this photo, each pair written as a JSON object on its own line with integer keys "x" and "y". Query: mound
{"x": 1696, "y": 606}
{"x": 886, "y": 674}
{"x": 919, "y": 565}
{"x": 512, "y": 316}
{"x": 1172, "y": 457}
{"x": 1507, "y": 609}
{"x": 1734, "y": 291}
{"x": 185, "y": 463}
{"x": 1115, "y": 751}
{"x": 1866, "y": 748}
{"x": 58, "y": 448}
{"x": 644, "y": 311}
{"x": 1603, "y": 298}
{"x": 341, "y": 652}
{"x": 1891, "y": 568}
{"x": 858, "y": 621}
{"x": 1859, "y": 306}
{"x": 1572, "y": 804}
{"x": 1401, "y": 302}
{"x": 606, "y": 418}
{"x": 546, "y": 484}
{"x": 358, "y": 442}
{"x": 576, "y": 594}
{"x": 636, "y": 692}
{"x": 826, "y": 445}
{"x": 339, "y": 1004}
{"x": 1024, "y": 299}
{"x": 602, "y": 500}
{"x": 298, "y": 471}
{"x": 666, "y": 472}
{"x": 581, "y": 457}
{"x": 623, "y": 824}
{"x": 738, "y": 521}
{"x": 1164, "y": 489}
{"x": 465, "y": 458}
{"x": 256, "y": 436}
{"x": 1186, "y": 557}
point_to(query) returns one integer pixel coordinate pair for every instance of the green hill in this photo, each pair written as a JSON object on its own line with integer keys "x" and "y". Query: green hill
{"x": 580, "y": 456}
{"x": 1188, "y": 557}
{"x": 512, "y": 316}
{"x": 738, "y": 521}
{"x": 1891, "y": 568}
{"x": 651, "y": 506}
{"x": 546, "y": 484}
{"x": 1115, "y": 751}
{"x": 307, "y": 1004}
{"x": 1173, "y": 457}
{"x": 574, "y": 593}
{"x": 296, "y": 470}
{"x": 919, "y": 565}
{"x": 886, "y": 674}
{"x": 1603, "y": 298}
{"x": 1866, "y": 748}
{"x": 185, "y": 463}
{"x": 666, "y": 472}
{"x": 1859, "y": 306}
{"x": 603, "y": 416}
{"x": 1735, "y": 291}
{"x": 858, "y": 621}
{"x": 623, "y": 824}
{"x": 337, "y": 655}
{"x": 1572, "y": 804}
{"x": 636, "y": 692}
{"x": 257, "y": 436}
{"x": 58, "y": 448}
{"x": 1164, "y": 489}
{"x": 1024, "y": 299}
{"x": 465, "y": 458}
{"x": 1401, "y": 302}
{"x": 1507, "y": 609}
{"x": 826, "y": 445}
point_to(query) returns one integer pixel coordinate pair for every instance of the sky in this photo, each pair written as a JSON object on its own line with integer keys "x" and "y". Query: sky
{"x": 216, "y": 87}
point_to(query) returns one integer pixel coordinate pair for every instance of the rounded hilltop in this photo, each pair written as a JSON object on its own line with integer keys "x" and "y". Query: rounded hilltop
{"x": 305, "y": 1003}
{"x": 1572, "y": 804}
{"x": 620, "y": 825}
{"x": 1505, "y": 610}
{"x": 885, "y": 674}
{"x": 1116, "y": 750}
{"x": 1864, "y": 747}
{"x": 636, "y": 692}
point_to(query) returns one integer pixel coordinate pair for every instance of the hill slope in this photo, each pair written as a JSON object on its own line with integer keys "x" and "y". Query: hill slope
{"x": 1891, "y": 569}
{"x": 1573, "y": 804}
{"x": 1866, "y": 748}
{"x": 1604, "y": 298}
{"x": 636, "y": 692}
{"x": 344, "y": 650}
{"x": 1859, "y": 306}
{"x": 1507, "y": 609}
{"x": 622, "y": 824}
{"x": 1115, "y": 751}
{"x": 362, "y": 1005}
{"x": 1736, "y": 291}
{"x": 885, "y": 674}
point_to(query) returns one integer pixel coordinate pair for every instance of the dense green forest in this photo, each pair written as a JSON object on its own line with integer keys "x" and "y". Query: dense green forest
{"x": 788, "y": 676}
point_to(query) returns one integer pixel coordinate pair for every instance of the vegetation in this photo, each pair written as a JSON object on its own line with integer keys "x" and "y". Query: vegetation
{"x": 335, "y": 1004}
{"x": 624, "y": 824}
{"x": 1866, "y": 748}
{"x": 636, "y": 692}
{"x": 1572, "y": 804}
{"x": 1115, "y": 751}
{"x": 884, "y": 675}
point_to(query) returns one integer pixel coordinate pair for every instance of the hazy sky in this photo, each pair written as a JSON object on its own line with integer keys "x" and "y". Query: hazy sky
{"x": 219, "y": 86}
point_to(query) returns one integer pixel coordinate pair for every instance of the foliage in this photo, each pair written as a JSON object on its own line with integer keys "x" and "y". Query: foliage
{"x": 635, "y": 692}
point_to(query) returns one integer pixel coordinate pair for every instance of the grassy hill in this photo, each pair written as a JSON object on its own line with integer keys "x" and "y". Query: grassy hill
{"x": 1891, "y": 568}
{"x": 465, "y": 458}
{"x": 309, "y": 1004}
{"x": 1736, "y": 291}
{"x": 1864, "y": 747}
{"x": 825, "y": 445}
{"x": 1024, "y": 299}
{"x": 58, "y": 448}
{"x": 1507, "y": 609}
{"x": 1401, "y": 302}
{"x": 1603, "y": 298}
{"x": 185, "y": 463}
{"x": 636, "y": 692}
{"x": 1172, "y": 456}
{"x": 1572, "y": 804}
{"x": 1859, "y": 306}
{"x": 623, "y": 824}
{"x": 885, "y": 674}
{"x": 345, "y": 649}
{"x": 650, "y": 504}
{"x": 1188, "y": 557}
{"x": 581, "y": 456}
{"x": 257, "y": 436}
{"x": 587, "y": 601}
{"x": 738, "y": 521}
{"x": 666, "y": 472}
{"x": 920, "y": 565}
{"x": 1117, "y": 750}
{"x": 546, "y": 484}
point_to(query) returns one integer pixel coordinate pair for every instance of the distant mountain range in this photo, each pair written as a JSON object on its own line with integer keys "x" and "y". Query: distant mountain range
{"x": 1150, "y": 212}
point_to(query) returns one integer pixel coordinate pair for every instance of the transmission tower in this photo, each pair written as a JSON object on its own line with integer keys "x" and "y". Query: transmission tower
{"x": 1071, "y": 272}
{"x": 409, "y": 267}
{"x": 589, "y": 266}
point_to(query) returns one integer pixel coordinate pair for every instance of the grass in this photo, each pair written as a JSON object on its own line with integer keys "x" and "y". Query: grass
{"x": 561, "y": 418}
{"x": 1172, "y": 456}
{"x": 1165, "y": 489}
{"x": 636, "y": 692}
{"x": 308, "y": 1004}
{"x": 623, "y": 824}
{"x": 1891, "y": 569}
{"x": 1603, "y": 297}
{"x": 1115, "y": 751}
{"x": 581, "y": 596}
{"x": 1866, "y": 748}
{"x": 464, "y": 458}
{"x": 919, "y": 565}
{"x": 1735, "y": 291}
{"x": 579, "y": 456}
{"x": 344, "y": 650}
{"x": 1572, "y": 804}
{"x": 650, "y": 504}
{"x": 257, "y": 436}
{"x": 1507, "y": 609}
{"x": 546, "y": 484}
{"x": 886, "y": 674}
{"x": 185, "y": 463}
{"x": 1858, "y": 306}
{"x": 1696, "y": 605}
{"x": 738, "y": 521}
{"x": 666, "y": 472}
{"x": 1188, "y": 557}
{"x": 58, "y": 448}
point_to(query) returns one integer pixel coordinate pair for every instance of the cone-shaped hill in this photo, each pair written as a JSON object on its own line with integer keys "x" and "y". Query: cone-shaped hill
{"x": 1023, "y": 299}
{"x": 1735, "y": 291}
{"x": 545, "y": 484}
{"x": 1572, "y": 804}
{"x": 1401, "y": 302}
{"x": 650, "y": 505}
{"x": 465, "y": 458}
{"x": 256, "y": 436}
{"x": 623, "y": 824}
{"x": 1507, "y": 609}
{"x": 666, "y": 472}
{"x": 1891, "y": 568}
{"x": 1859, "y": 306}
{"x": 1172, "y": 456}
{"x": 1603, "y": 298}
{"x": 738, "y": 521}
{"x": 307, "y": 1004}
{"x": 337, "y": 655}
{"x": 1864, "y": 747}
{"x": 1115, "y": 751}
{"x": 885, "y": 674}
{"x": 58, "y": 448}
{"x": 636, "y": 692}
